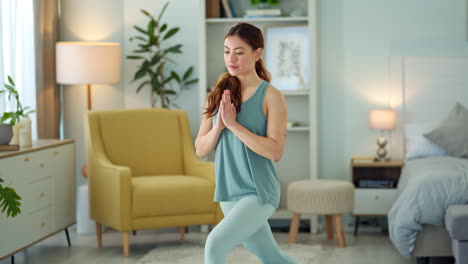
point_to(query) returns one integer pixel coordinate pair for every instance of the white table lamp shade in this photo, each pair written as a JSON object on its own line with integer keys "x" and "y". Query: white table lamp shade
{"x": 382, "y": 119}
{"x": 88, "y": 62}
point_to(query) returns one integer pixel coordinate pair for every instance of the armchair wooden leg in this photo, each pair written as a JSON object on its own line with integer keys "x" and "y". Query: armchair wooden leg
{"x": 329, "y": 224}
{"x": 99, "y": 235}
{"x": 182, "y": 233}
{"x": 339, "y": 231}
{"x": 126, "y": 242}
{"x": 294, "y": 228}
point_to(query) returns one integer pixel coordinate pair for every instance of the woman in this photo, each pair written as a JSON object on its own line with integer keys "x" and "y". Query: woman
{"x": 245, "y": 120}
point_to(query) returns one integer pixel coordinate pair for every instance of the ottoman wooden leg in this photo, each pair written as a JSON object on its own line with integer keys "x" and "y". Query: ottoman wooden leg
{"x": 294, "y": 228}
{"x": 339, "y": 231}
{"x": 329, "y": 224}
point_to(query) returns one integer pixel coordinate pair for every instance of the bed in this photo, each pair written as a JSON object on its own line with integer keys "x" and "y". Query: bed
{"x": 424, "y": 90}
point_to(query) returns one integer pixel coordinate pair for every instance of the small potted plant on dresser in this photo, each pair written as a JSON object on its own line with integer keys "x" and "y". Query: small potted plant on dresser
{"x": 12, "y": 122}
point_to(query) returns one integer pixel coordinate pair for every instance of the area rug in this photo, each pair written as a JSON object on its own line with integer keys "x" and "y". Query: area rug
{"x": 192, "y": 252}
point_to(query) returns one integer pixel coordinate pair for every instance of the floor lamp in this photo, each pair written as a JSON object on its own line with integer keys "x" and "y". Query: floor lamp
{"x": 88, "y": 63}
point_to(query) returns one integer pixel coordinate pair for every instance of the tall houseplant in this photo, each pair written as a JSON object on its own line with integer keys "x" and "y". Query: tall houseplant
{"x": 154, "y": 56}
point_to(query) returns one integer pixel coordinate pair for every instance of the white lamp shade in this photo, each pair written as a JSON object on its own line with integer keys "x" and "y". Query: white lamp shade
{"x": 88, "y": 62}
{"x": 382, "y": 119}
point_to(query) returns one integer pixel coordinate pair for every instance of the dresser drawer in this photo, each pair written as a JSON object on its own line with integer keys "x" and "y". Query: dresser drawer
{"x": 35, "y": 195}
{"x": 373, "y": 201}
{"x": 39, "y": 223}
{"x": 27, "y": 167}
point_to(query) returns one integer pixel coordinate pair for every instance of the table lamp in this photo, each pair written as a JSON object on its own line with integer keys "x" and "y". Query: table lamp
{"x": 382, "y": 120}
{"x": 88, "y": 63}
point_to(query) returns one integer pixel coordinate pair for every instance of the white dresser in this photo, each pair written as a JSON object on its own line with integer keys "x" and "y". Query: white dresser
{"x": 44, "y": 176}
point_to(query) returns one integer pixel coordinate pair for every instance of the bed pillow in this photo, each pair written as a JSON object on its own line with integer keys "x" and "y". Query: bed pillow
{"x": 417, "y": 146}
{"x": 452, "y": 133}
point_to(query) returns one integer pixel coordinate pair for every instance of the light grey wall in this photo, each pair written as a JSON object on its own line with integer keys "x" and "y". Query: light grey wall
{"x": 88, "y": 20}
{"x": 179, "y": 13}
{"x": 356, "y": 39}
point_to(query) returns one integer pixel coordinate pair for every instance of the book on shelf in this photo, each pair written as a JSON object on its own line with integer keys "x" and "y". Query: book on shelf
{"x": 212, "y": 8}
{"x": 227, "y": 8}
{"x": 9, "y": 147}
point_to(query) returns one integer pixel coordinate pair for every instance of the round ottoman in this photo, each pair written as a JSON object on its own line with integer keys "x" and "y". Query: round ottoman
{"x": 321, "y": 197}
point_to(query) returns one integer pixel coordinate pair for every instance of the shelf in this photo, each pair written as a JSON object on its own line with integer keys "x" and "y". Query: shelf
{"x": 260, "y": 19}
{"x": 294, "y": 93}
{"x": 298, "y": 128}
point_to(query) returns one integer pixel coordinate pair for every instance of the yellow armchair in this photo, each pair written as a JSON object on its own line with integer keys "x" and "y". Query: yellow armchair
{"x": 143, "y": 173}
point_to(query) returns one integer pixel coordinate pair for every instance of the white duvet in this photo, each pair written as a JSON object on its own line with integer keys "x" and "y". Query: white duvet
{"x": 427, "y": 187}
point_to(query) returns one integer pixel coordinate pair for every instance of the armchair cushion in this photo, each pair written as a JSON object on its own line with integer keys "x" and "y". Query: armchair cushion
{"x": 456, "y": 222}
{"x": 167, "y": 195}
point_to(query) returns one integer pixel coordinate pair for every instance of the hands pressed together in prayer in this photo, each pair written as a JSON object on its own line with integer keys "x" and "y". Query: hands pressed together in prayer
{"x": 227, "y": 111}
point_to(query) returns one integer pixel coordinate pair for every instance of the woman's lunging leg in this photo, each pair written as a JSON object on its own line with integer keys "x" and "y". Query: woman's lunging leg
{"x": 264, "y": 246}
{"x": 242, "y": 221}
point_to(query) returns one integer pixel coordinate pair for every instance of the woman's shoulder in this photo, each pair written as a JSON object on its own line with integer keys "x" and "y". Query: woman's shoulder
{"x": 273, "y": 94}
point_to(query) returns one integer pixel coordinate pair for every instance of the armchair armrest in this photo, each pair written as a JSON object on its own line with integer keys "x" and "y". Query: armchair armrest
{"x": 110, "y": 192}
{"x": 201, "y": 169}
{"x": 456, "y": 221}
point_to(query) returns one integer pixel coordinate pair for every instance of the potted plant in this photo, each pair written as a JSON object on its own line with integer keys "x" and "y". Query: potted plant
{"x": 9, "y": 199}
{"x": 154, "y": 57}
{"x": 12, "y": 118}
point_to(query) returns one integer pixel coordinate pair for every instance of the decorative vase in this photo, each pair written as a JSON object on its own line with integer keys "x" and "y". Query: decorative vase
{"x": 25, "y": 133}
{"x": 15, "y": 139}
{"x": 6, "y": 133}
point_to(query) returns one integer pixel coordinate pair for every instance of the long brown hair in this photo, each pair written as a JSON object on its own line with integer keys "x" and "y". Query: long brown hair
{"x": 254, "y": 38}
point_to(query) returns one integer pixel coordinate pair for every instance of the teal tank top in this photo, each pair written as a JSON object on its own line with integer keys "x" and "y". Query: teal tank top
{"x": 239, "y": 171}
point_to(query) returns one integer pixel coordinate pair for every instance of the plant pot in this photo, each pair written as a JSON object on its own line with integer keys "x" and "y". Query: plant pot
{"x": 6, "y": 134}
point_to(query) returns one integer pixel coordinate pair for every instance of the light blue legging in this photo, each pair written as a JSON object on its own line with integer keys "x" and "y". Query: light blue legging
{"x": 245, "y": 222}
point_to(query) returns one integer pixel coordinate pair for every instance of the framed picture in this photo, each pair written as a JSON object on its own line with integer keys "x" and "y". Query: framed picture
{"x": 287, "y": 56}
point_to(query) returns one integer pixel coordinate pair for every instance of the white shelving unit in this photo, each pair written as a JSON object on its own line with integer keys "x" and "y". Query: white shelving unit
{"x": 300, "y": 158}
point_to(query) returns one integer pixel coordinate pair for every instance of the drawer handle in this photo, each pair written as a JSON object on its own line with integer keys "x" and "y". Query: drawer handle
{"x": 41, "y": 165}
{"x": 56, "y": 153}
{"x": 43, "y": 224}
{"x": 41, "y": 194}
{"x": 26, "y": 159}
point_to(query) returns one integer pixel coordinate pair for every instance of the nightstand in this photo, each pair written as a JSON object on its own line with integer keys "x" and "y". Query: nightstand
{"x": 375, "y": 184}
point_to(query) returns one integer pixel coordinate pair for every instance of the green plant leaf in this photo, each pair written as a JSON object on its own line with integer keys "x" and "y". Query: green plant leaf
{"x": 155, "y": 85}
{"x": 141, "y": 51}
{"x": 2, "y": 91}
{"x": 30, "y": 112}
{"x": 1, "y": 180}
{"x": 168, "y": 80}
{"x": 141, "y": 30}
{"x": 174, "y": 49}
{"x": 171, "y": 33}
{"x": 162, "y": 11}
{"x": 135, "y": 57}
{"x": 164, "y": 27}
{"x": 191, "y": 82}
{"x": 142, "y": 85}
{"x": 175, "y": 76}
{"x": 141, "y": 72}
{"x": 172, "y": 92}
{"x": 9, "y": 201}
{"x": 187, "y": 73}
{"x": 150, "y": 28}
{"x": 146, "y": 13}
{"x": 11, "y": 80}
{"x": 139, "y": 38}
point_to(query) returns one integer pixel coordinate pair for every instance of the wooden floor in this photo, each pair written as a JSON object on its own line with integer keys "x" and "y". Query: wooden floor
{"x": 366, "y": 248}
